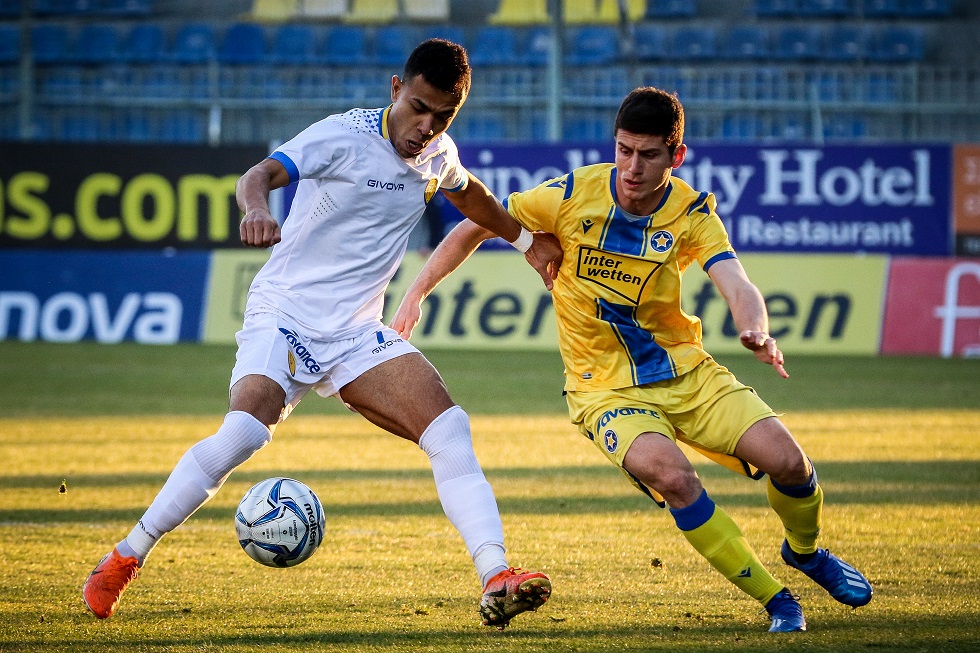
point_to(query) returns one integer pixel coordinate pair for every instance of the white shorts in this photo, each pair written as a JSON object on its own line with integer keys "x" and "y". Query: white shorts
{"x": 269, "y": 345}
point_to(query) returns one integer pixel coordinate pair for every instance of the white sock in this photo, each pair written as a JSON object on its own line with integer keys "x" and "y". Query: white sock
{"x": 466, "y": 497}
{"x": 196, "y": 478}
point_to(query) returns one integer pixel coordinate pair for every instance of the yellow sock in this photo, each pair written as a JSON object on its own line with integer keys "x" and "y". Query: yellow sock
{"x": 801, "y": 515}
{"x": 716, "y": 537}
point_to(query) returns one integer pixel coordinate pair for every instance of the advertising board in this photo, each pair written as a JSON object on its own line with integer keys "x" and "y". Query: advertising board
{"x": 146, "y": 297}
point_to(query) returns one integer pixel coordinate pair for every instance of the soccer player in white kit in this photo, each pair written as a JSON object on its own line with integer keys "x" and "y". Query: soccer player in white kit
{"x": 313, "y": 317}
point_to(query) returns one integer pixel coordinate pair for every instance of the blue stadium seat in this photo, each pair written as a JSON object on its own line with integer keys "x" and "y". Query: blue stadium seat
{"x": 345, "y": 45}
{"x": 10, "y": 8}
{"x": 162, "y": 81}
{"x": 797, "y": 43}
{"x": 81, "y": 127}
{"x": 494, "y": 45}
{"x": 592, "y": 45}
{"x": 127, "y": 7}
{"x": 928, "y": 9}
{"x": 60, "y": 83}
{"x": 898, "y": 44}
{"x": 194, "y": 44}
{"x": 746, "y": 42}
{"x": 136, "y": 127}
{"x": 481, "y": 126}
{"x": 537, "y": 46}
{"x": 244, "y": 43}
{"x": 294, "y": 45}
{"x": 145, "y": 43}
{"x": 881, "y": 88}
{"x": 659, "y": 9}
{"x": 741, "y": 127}
{"x": 65, "y": 7}
{"x": 586, "y": 129}
{"x": 649, "y": 42}
{"x": 777, "y": 8}
{"x": 882, "y": 8}
{"x": 693, "y": 44}
{"x": 844, "y": 127}
{"x": 97, "y": 44}
{"x": 182, "y": 127}
{"x": 827, "y": 8}
{"x": 846, "y": 42}
{"x": 50, "y": 44}
{"x": 393, "y": 44}
{"x": 9, "y": 43}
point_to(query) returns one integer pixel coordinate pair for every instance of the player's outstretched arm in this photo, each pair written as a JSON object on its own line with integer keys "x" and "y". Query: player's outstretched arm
{"x": 258, "y": 228}
{"x": 476, "y": 202}
{"x": 454, "y": 249}
{"x": 748, "y": 311}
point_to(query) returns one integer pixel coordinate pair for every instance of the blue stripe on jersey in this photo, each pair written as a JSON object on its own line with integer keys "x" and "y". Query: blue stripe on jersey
{"x": 288, "y": 164}
{"x": 724, "y": 256}
{"x": 623, "y": 235}
{"x": 649, "y": 361}
{"x": 569, "y": 184}
{"x": 699, "y": 202}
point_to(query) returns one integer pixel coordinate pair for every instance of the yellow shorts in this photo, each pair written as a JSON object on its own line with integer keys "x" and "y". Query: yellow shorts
{"x": 707, "y": 409}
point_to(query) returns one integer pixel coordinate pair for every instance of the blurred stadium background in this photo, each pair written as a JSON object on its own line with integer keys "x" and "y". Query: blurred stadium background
{"x": 843, "y": 129}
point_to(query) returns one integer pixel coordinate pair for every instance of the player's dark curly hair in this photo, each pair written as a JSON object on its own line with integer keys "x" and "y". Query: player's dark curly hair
{"x": 443, "y": 64}
{"x": 649, "y": 110}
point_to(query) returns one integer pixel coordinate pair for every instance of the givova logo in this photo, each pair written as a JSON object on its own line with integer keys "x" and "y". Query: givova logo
{"x": 302, "y": 352}
{"x": 149, "y": 318}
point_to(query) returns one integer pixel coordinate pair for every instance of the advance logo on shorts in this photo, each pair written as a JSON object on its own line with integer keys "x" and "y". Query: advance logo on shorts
{"x": 302, "y": 352}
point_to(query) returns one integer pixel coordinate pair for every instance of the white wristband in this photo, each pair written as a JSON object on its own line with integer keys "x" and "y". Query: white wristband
{"x": 523, "y": 241}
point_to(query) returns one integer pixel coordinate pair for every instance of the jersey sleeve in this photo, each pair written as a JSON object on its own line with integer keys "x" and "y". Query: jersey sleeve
{"x": 454, "y": 176}
{"x": 318, "y": 151}
{"x": 709, "y": 239}
{"x": 537, "y": 208}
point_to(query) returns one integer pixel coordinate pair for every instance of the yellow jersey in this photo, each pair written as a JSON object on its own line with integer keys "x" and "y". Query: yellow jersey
{"x": 618, "y": 293}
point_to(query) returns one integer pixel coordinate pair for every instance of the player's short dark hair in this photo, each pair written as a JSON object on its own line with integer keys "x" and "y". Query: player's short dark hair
{"x": 649, "y": 110}
{"x": 443, "y": 64}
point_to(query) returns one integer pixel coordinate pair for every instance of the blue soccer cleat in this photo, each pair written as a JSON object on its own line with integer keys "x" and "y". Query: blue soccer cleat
{"x": 786, "y": 613}
{"x": 844, "y": 582}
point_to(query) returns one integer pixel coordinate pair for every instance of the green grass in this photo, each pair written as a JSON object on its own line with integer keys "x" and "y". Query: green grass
{"x": 90, "y": 379}
{"x": 895, "y": 441}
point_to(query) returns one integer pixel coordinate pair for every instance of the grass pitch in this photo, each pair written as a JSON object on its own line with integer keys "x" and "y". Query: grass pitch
{"x": 898, "y": 459}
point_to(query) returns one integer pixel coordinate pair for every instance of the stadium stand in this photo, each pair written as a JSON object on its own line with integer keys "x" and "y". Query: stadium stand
{"x": 520, "y": 12}
{"x": 9, "y": 44}
{"x": 194, "y": 43}
{"x": 244, "y": 43}
{"x": 144, "y": 43}
{"x": 426, "y": 10}
{"x": 294, "y": 44}
{"x": 768, "y": 69}
{"x": 367, "y": 12}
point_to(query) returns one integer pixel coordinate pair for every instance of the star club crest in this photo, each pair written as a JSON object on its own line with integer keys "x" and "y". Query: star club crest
{"x": 661, "y": 241}
{"x": 610, "y": 440}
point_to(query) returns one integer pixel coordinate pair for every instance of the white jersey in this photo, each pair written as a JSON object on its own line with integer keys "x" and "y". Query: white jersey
{"x": 355, "y": 206}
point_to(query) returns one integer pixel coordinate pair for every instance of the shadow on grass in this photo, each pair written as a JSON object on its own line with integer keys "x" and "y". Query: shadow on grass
{"x": 951, "y": 634}
{"x": 864, "y": 483}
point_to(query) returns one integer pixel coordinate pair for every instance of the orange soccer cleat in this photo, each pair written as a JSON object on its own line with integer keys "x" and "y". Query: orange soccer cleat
{"x": 512, "y": 592}
{"x": 107, "y": 582}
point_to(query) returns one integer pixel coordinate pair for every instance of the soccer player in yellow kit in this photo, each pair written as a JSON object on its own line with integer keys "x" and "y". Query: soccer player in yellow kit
{"x": 637, "y": 379}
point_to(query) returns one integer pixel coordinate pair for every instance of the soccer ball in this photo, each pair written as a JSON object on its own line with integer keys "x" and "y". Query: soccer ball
{"x": 279, "y": 522}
